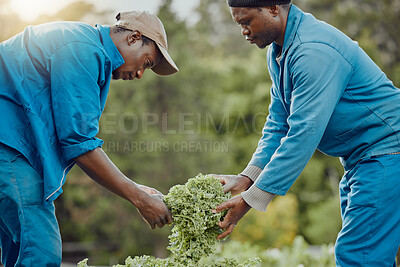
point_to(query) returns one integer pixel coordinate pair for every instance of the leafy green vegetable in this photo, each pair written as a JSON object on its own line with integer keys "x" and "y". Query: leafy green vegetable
{"x": 83, "y": 263}
{"x": 147, "y": 261}
{"x": 195, "y": 227}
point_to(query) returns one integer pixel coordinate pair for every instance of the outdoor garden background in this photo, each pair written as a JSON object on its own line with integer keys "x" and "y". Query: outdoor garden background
{"x": 160, "y": 131}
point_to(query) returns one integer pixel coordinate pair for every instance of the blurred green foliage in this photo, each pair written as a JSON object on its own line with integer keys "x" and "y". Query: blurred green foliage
{"x": 276, "y": 228}
{"x": 206, "y": 119}
{"x": 299, "y": 253}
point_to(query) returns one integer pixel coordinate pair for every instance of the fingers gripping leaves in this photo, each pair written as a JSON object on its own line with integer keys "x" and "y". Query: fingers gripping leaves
{"x": 234, "y": 183}
{"x": 236, "y": 208}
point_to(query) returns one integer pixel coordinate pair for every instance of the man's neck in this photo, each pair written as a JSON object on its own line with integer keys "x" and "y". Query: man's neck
{"x": 284, "y": 13}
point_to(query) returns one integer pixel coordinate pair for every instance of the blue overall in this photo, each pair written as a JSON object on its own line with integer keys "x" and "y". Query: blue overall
{"x": 29, "y": 233}
{"x": 369, "y": 200}
{"x": 327, "y": 94}
{"x": 54, "y": 81}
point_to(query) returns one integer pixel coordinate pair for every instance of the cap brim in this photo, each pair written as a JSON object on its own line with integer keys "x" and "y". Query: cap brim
{"x": 166, "y": 66}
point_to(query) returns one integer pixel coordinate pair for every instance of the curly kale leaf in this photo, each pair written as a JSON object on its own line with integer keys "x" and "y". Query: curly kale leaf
{"x": 146, "y": 261}
{"x": 195, "y": 226}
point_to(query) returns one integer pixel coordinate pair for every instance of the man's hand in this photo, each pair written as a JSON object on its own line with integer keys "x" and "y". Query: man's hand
{"x": 147, "y": 200}
{"x": 237, "y": 208}
{"x": 235, "y": 184}
{"x": 153, "y": 209}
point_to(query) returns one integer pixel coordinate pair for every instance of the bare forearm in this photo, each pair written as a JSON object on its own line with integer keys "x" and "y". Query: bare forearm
{"x": 101, "y": 169}
{"x": 147, "y": 200}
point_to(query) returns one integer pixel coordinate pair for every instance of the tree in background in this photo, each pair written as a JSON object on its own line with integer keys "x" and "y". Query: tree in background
{"x": 76, "y": 11}
{"x": 279, "y": 228}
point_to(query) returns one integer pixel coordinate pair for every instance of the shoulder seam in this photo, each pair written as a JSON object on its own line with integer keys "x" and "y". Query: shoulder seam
{"x": 72, "y": 42}
{"x": 322, "y": 43}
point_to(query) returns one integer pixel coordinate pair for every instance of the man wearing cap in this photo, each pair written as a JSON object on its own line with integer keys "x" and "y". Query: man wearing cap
{"x": 326, "y": 94}
{"x": 54, "y": 81}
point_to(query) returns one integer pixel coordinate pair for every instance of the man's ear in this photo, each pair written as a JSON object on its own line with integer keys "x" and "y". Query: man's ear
{"x": 134, "y": 36}
{"x": 274, "y": 10}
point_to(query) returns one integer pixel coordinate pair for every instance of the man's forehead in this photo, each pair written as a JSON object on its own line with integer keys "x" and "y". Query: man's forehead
{"x": 239, "y": 13}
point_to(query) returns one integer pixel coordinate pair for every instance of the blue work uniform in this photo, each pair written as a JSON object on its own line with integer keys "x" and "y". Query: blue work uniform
{"x": 54, "y": 81}
{"x": 327, "y": 94}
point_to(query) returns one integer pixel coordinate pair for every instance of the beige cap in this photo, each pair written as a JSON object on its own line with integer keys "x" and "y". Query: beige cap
{"x": 150, "y": 26}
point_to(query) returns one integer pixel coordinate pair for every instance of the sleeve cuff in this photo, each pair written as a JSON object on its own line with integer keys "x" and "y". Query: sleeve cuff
{"x": 252, "y": 172}
{"x": 256, "y": 198}
{"x": 73, "y": 151}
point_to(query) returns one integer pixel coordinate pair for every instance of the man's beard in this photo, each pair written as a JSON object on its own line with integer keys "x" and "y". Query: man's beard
{"x": 266, "y": 41}
{"x": 116, "y": 75}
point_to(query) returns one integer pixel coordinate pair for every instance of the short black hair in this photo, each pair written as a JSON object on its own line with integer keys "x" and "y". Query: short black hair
{"x": 145, "y": 40}
{"x": 117, "y": 29}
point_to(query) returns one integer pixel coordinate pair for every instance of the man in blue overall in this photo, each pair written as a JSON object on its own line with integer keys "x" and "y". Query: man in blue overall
{"x": 54, "y": 81}
{"x": 326, "y": 94}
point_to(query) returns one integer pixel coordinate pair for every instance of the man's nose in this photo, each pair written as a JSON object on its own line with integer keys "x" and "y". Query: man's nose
{"x": 245, "y": 31}
{"x": 139, "y": 74}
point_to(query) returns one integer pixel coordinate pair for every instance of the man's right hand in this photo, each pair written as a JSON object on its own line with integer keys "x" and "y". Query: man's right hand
{"x": 150, "y": 190}
{"x": 235, "y": 184}
{"x": 153, "y": 209}
{"x": 147, "y": 200}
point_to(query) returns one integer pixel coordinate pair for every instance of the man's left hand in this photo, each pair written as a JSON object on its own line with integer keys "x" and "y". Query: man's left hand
{"x": 235, "y": 184}
{"x": 237, "y": 208}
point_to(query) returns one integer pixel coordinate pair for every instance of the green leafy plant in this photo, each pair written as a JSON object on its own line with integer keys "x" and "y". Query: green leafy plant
{"x": 298, "y": 254}
{"x": 195, "y": 227}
